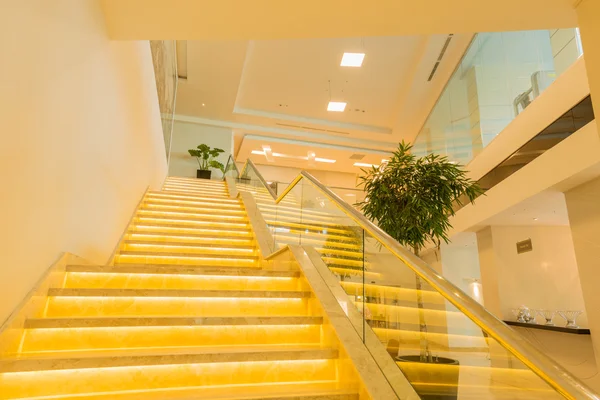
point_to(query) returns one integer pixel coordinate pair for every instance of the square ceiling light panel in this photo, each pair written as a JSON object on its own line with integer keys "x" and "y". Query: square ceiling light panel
{"x": 336, "y": 106}
{"x": 352, "y": 59}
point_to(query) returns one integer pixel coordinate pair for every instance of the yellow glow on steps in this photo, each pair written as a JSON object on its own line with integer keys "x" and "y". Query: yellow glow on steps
{"x": 64, "y": 339}
{"x": 189, "y": 230}
{"x": 197, "y": 239}
{"x": 177, "y": 281}
{"x": 104, "y": 306}
{"x": 192, "y": 222}
{"x": 47, "y": 383}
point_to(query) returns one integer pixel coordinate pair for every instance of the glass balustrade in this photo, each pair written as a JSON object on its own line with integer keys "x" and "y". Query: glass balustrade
{"x": 164, "y": 59}
{"x": 444, "y": 343}
{"x": 500, "y": 74}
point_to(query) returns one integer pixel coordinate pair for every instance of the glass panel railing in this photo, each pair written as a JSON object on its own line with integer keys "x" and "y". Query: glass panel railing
{"x": 500, "y": 74}
{"x": 164, "y": 59}
{"x": 443, "y": 342}
{"x": 231, "y": 169}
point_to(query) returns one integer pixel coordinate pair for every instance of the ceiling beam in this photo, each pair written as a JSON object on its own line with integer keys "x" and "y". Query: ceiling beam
{"x": 274, "y": 19}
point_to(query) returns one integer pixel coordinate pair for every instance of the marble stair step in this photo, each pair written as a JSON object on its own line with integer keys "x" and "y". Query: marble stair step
{"x": 212, "y": 221}
{"x": 210, "y": 239}
{"x": 200, "y": 209}
{"x": 65, "y": 335}
{"x": 187, "y": 230}
{"x": 57, "y": 383}
{"x": 199, "y": 245}
{"x": 195, "y": 240}
{"x": 181, "y": 270}
{"x": 173, "y": 195}
{"x": 199, "y": 192}
{"x": 125, "y": 261}
{"x": 164, "y": 357}
{"x": 192, "y": 185}
{"x": 191, "y": 202}
{"x": 182, "y": 254}
{"x": 102, "y": 292}
{"x": 219, "y": 250}
{"x": 179, "y": 281}
{"x": 112, "y": 322}
{"x": 308, "y": 390}
{"x": 213, "y": 215}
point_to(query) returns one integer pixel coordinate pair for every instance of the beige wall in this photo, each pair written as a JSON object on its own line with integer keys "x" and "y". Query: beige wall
{"x": 188, "y": 136}
{"x": 81, "y": 138}
{"x": 546, "y": 277}
{"x": 584, "y": 217}
{"x": 286, "y": 175}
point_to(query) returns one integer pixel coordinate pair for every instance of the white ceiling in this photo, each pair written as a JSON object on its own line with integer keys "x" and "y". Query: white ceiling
{"x": 280, "y": 89}
{"x": 546, "y": 208}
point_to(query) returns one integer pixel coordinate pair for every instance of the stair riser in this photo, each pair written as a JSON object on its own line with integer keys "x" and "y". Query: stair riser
{"x": 183, "y": 249}
{"x": 151, "y": 206}
{"x": 158, "y": 221}
{"x": 193, "y": 216}
{"x": 176, "y": 197}
{"x": 181, "y": 282}
{"x": 64, "y": 382}
{"x": 201, "y": 232}
{"x": 213, "y": 241}
{"x": 164, "y": 306}
{"x": 164, "y": 259}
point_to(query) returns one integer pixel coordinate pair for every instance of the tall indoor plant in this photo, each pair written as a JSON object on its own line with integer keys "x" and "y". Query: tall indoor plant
{"x": 206, "y": 160}
{"x": 412, "y": 199}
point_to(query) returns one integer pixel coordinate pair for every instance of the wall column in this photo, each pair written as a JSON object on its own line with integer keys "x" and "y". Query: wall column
{"x": 588, "y": 19}
{"x": 583, "y": 205}
{"x": 488, "y": 268}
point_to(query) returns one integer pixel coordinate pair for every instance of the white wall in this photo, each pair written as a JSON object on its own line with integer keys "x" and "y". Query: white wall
{"x": 565, "y": 48}
{"x": 188, "y": 136}
{"x": 546, "y": 277}
{"x": 286, "y": 175}
{"x": 81, "y": 138}
{"x": 460, "y": 261}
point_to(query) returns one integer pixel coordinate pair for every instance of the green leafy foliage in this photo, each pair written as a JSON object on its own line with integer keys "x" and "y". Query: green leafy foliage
{"x": 412, "y": 198}
{"x": 206, "y": 157}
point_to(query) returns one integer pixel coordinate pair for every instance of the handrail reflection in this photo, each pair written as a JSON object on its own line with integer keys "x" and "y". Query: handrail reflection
{"x": 545, "y": 367}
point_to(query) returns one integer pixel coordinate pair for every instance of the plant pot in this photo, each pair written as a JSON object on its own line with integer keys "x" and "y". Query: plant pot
{"x": 202, "y": 174}
{"x": 446, "y": 377}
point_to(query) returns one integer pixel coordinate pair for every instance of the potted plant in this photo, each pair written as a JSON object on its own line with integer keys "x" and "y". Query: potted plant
{"x": 206, "y": 160}
{"x": 412, "y": 199}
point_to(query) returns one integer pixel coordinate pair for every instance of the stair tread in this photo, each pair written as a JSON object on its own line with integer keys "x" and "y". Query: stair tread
{"x": 90, "y": 322}
{"x": 182, "y": 254}
{"x": 224, "y": 246}
{"x": 181, "y": 269}
{"x": 103, "y": 292}
{"x": 307, "y": 390}
{"x": 149, "y": 357}
{"x": 210, "y": 225}
{"x": 171, "y": 194}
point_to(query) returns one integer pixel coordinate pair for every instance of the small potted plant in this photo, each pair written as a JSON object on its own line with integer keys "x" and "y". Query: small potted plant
{"x": 412, "y": 199}
{"x": 206, "y": 160}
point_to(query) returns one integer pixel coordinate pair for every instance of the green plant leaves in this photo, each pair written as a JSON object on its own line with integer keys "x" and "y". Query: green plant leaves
{"x": 206, "y": 157}
{"x": 413, "y": 198}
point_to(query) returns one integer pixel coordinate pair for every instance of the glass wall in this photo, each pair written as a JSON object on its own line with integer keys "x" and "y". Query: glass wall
{"x": 499, "y": 76}
{"x": 164, "y": 58}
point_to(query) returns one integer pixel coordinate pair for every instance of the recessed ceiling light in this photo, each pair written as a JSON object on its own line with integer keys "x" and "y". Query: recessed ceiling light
{"x": 203, "y": 104}
{"x": 360, "y": 164}
{"x": 535, "y": 219}
{"x": 336, "y": 106}
{"x": 325, "y": 160}
{"x": 352, "y": 59}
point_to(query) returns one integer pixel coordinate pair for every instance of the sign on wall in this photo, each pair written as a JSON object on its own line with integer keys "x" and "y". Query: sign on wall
{"x": 524, "y": 246}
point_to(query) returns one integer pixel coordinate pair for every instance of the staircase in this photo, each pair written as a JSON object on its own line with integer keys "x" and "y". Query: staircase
{"x": 187, "y": 310}
{"x": 385, "y": 291}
